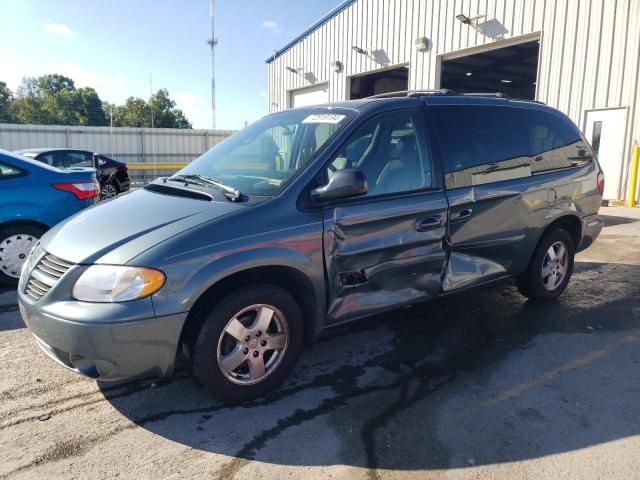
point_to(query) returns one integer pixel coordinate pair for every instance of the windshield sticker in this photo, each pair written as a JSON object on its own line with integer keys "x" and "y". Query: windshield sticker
{"x": 324, "y": 118}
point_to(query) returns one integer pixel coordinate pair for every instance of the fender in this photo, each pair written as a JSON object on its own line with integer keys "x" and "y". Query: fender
{"x": 192, "y": 282}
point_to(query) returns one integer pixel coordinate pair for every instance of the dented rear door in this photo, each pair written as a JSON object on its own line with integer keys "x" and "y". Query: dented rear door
{"x": 494, "y": 201}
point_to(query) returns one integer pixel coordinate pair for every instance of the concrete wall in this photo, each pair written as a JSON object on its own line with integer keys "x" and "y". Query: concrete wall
{"x": 589, "y": 55}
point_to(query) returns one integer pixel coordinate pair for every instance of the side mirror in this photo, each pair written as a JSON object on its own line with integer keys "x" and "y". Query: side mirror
{"x": 346, "y": 183}
{"x": 96, "y": 160}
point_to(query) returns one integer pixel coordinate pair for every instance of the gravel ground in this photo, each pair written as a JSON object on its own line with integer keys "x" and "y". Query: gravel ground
{"x": 475, "y": 385}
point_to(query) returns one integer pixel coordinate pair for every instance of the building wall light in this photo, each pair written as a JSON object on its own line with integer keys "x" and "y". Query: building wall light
{"x": 472, "y": 22}
{"x": 422, "y": 44}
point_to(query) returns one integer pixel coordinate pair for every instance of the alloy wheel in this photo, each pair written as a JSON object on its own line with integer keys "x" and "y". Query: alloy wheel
{"x": 555, "y": 266}
{"x": 108, "y": 191}
{"x": 252, "y": 344}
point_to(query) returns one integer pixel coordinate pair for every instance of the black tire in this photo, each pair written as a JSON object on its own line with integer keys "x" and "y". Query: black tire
{"x": 204, "y": 349}
{"x": 32, "y": 232}
{"x": 531, "y": 284}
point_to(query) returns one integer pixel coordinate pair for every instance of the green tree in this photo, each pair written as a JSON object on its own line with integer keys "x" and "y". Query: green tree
{"x": 54, "y": 100}
{"x": 28, "y": 106}
{"x": 53, "y": 84}
{"x": 6, "y": 99}
{"x": 136, "y": 112}
{"x": 90, "y": 111}
{"x": 165, "y": 113}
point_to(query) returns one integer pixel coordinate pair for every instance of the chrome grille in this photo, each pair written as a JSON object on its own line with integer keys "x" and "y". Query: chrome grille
{"x": 45, "y": 275}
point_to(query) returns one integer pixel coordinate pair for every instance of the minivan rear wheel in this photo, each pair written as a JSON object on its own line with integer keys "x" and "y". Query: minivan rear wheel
{"x": 16, "y": 241}
{"x": 550, "y": 269}
{"x": 248, "y": 344}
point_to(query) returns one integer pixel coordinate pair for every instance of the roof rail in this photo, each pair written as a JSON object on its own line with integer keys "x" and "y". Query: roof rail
{"x": 446, "y": 91}
{"x": 504, "y": 95}
{"x": 487, "y": 94}
{"x": 539, "y": 102}
{"x": 413, "y": 93}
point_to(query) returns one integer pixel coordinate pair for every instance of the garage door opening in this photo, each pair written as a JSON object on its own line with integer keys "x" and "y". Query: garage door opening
{"x": 511, "y": 70}
{"x": 393, "y": 80}
{"x": 305, "y": 97}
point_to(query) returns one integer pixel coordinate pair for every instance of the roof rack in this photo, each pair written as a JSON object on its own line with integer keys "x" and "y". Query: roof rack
{"x": 487, "y": 94}
{"x": 539, "y": 102}
{"x": 446, "y": 91}
{"x": 413, "y": 93}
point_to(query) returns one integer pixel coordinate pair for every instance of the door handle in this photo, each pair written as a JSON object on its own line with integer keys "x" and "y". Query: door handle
{"x": 430, "y": 223}
{"x": 461, "y": 215}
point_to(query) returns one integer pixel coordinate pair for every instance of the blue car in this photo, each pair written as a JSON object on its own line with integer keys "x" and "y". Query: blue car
{"x": 33, "y": 198}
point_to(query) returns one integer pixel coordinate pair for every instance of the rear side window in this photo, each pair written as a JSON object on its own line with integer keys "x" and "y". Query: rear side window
{"x": 554, "y": 141}
{"x": 485, "y": 144}
{"x": 480, "y": 144}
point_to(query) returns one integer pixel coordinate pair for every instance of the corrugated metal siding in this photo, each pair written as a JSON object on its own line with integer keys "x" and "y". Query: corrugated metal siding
{"x": 589, "y": 55}
{"x": 126, "y": 144}
{"x": 146, "y": 145}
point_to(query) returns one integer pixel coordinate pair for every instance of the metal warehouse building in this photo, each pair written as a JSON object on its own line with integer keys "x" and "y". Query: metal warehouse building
{"x": 580, "y": 56}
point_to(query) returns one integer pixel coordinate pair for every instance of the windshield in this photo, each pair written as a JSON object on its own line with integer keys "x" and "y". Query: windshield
{"x": 261, "y": 158}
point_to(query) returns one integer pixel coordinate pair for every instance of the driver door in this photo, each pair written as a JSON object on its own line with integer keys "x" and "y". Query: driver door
{"x": 385, "y": 249}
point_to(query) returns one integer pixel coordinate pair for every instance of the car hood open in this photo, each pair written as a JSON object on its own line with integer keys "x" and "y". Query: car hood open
{"x": 114, "y": 232}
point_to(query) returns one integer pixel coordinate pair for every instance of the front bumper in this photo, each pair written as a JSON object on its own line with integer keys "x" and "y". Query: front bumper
{"x": 591, "y": 228}
{"x": 106, "y": 350}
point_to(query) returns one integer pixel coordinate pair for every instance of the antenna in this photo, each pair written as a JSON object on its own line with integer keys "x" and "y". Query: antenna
{"x": 153, "y": 156}
{"x": 212, "y": 42}
{"x": 151, "y": 98}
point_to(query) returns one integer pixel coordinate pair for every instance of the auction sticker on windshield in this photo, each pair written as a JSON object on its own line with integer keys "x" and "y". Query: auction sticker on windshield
{"x": 324, "y": 118}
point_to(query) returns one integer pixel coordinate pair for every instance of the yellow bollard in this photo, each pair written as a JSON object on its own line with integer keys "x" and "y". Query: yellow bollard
{"x": 634, "y": 176}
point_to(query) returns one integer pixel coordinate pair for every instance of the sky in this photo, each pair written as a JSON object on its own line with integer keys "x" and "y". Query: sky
{"x": 113, "y": 46}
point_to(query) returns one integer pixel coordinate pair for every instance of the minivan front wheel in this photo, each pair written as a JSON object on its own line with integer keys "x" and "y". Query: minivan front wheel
{"x": 248, "y": 343}
{"x": 550, "y": 269}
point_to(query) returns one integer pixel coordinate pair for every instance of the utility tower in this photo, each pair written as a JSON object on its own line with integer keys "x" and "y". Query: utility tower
{"x": 212, "y": 42}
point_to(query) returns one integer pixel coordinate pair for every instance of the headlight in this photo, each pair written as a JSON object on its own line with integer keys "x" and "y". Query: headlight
{"x": 110, "y": 283}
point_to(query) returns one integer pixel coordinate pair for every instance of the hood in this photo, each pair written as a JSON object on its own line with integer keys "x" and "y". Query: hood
{"x": 114, "y": 232}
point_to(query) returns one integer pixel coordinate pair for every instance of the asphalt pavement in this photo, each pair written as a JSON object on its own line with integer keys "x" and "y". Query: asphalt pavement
{"x": 482, "y": 384}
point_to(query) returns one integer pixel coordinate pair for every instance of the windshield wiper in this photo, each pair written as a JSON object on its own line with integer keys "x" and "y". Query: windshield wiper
{"x": 232, "y": 194}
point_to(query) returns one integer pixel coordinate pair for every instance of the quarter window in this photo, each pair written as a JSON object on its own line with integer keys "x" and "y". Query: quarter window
{"x": 391, "y": 152}
{"x": 484, "y": 144}
{"x": 554, "y": 141}
{"x": 7, "y": 171}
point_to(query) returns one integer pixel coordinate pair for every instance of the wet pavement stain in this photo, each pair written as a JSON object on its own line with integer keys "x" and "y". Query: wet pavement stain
{"x": 379, "y": 391}
{"x": 429, "y": 347}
